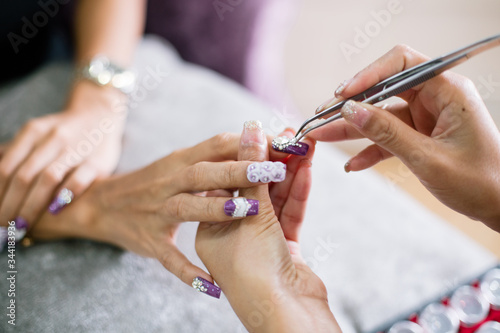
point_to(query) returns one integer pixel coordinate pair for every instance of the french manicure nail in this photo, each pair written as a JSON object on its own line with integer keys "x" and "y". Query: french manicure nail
{"x": 63, "y": 199}
{"x": 355, "y": 114}
{"x": 21, "y": 226}
{"x": 341, "y": 88}
{"x": 266, "y": 172}
{"x": 326, "y": 104}
{"x": 253, "y": 133}
{"x": 241, "y": 207}
{"x": 206, "y": 287}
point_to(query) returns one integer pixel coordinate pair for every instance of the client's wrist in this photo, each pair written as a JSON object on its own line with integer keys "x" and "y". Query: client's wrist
{"x": 281, "y": 308}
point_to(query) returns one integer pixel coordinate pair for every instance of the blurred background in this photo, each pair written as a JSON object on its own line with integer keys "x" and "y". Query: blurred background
{"x": 331, "y": 41}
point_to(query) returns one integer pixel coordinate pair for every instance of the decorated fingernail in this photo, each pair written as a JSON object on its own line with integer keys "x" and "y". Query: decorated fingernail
{"x": 253, "y": 133}
{"x": 266, "y": 172}
{"x": 355, "y": 114}
{"x": 289, "y": 146}
{"x": 206, "y": 287}
{"x": 341, "y": 88}
{"x": 21, "y": 226}
{"x": 63, "y": 199}
{"x": 241, "y": 207}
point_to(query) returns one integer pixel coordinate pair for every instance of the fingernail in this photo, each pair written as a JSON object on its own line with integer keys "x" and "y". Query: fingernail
{"x": 347, "y": 167}
{"x": 285, "y": 145}
{"x": 253, "y": 133}
{"x": 355, "y": 114}
{"x": 326, "y": 104}
{"x": 206, "y": 287}
{"x": 241, "y": 207}
{"x": 341, "y": 88}
{"x": 266, "y": 172}
{"x": 63, "y": 199}
{"x": 21, "y": 226}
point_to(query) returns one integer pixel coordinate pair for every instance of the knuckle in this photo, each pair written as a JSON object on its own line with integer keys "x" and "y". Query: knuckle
{"x": 176, "y": 208}
{"x": 402, "y": 49}
{"x": 50, "y": 176}
{"x": 34, "y": 125}
{"x": 196, "y": 173}
{"x": 22, "y": 179}
{"x": 384, "y": 133}
{"x": 223, "y": 141}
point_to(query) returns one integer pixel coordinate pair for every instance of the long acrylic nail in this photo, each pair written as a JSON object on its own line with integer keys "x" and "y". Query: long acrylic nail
{"x": 283, "y": 144}
{"x": 327, "y": 104}
{"x": 266, "y": 172}
{"x": 253, "y": 133}
{"x": 206, "y": 287}
{"x": 241, "y": 207}
{"x": 355, "y": 114}
{"x": 21, "y": 226}
{"x": 63, "y": 199}
{"x": 341, "y": 88}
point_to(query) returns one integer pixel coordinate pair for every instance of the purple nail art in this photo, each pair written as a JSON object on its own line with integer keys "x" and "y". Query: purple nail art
{"x": 286, "y": 145}
{"x": 63, "y": 199}
{"x": 266, "y": 172}
{"x": 206, "y": 287}
{"x": 241, "y": 207}
{"x": 21, "y": 228}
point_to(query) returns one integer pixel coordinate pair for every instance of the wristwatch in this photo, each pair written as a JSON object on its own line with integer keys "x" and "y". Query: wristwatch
{"x": 103, "y": 72}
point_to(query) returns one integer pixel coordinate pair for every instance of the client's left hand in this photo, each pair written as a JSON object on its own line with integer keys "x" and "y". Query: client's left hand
{"x": 257, "y": 261}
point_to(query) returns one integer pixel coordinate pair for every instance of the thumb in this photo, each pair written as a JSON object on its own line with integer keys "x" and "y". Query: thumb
{"x": 388, "y": 131}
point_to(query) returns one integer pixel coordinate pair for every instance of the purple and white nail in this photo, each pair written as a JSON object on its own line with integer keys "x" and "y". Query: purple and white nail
{"x": 21, "y": 228}
{"x": 266, "y": 172}
{"x": 241, "y": 207}
{"x": 289, "y": 146}
{"x": 63, "y": 199}
{"x": 206, "y": 287}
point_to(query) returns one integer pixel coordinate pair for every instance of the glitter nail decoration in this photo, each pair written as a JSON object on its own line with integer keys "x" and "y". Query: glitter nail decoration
{"x": 206, "y": 287}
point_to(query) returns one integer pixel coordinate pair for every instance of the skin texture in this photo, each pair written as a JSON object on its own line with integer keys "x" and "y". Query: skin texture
{"x": 36, "y": 165}
{"x": 257, "y": 260}
{"x": 441, "y": 131}
{"x": 142, "y": 211}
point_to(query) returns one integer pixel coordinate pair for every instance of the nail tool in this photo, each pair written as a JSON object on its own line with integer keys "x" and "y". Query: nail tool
{"x": 390, "y": 87}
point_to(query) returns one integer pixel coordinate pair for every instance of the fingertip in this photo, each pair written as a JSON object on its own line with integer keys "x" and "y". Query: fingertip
{"x": 253, "y": 144}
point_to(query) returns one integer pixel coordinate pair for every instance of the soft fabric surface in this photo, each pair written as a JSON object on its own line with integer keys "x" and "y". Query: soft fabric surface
{"x": 379, "y": 253}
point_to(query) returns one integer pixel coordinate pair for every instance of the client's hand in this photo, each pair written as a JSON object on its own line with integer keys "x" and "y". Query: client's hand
{"x": 260, "y": 268}
{"x": 442, "y": 131}
{"x": 142, "y": 211}
{"x": 66, "y": 150}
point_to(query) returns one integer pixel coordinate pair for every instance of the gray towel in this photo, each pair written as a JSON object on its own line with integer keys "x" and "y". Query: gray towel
{"x": 379, "y": 252}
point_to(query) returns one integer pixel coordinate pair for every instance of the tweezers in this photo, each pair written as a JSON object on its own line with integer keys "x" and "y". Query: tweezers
{"x": 400, "y": 83}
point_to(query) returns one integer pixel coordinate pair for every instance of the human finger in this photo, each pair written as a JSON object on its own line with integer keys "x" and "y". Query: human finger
{"x": 206, "y": 176}
{"x": 188, "y": 207}
{"x": 22, "y": 180}
{"x": 176, "y": 262}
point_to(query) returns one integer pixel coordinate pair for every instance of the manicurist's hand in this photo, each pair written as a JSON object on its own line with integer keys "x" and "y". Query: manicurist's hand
{"x": 257, "y": 264}
{"x": 442, "y": 132}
